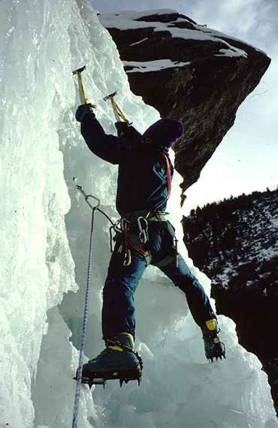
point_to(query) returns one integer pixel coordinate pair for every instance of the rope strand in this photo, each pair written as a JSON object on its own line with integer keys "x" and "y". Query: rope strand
{"x": 84, "y": 326}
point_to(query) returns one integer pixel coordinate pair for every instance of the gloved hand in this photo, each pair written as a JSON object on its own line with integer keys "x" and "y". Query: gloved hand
{"x": 122, "y": 128}
{"x": 83, "y": 110}
{"x": 125, "y": 129}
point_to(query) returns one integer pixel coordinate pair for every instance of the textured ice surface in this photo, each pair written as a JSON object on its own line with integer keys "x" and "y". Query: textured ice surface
{"x": 42, "y": 256}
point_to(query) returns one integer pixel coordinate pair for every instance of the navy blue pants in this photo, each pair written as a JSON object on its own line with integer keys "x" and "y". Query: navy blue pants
{"x": 118, "y": 312}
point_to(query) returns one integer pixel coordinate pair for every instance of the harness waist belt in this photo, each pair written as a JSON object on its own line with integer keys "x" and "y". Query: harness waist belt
{"x": 148, "y": 215}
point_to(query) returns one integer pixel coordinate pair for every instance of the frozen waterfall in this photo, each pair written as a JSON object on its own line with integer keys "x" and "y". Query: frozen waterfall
{"x": 44, "y": 234}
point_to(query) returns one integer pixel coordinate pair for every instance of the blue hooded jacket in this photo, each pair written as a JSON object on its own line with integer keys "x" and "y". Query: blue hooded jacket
{"x": 142, "y": 176}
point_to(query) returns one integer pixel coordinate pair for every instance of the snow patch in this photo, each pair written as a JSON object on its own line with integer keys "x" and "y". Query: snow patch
{"x": 233, "y": 52}
{"x": 147, "y": 66}
{"x": 127, "y": 20}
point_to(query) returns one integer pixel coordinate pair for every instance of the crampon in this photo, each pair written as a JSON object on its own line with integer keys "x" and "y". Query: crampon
{"x": 118, "y": 360}
{"x": 124, "y": 376}
{"x": 214, "y": 349}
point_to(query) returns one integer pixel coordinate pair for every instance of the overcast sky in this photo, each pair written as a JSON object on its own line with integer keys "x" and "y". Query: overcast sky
{"x": 247, "y": 158}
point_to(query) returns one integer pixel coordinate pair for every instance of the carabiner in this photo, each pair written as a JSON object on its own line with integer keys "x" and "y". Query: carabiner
{"x": 143, "y": 229}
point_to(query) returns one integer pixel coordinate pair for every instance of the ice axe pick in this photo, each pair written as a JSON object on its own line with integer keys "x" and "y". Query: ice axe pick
{"x": 77, "y": 73}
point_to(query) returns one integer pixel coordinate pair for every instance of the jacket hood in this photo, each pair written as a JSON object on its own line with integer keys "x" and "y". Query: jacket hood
{"x": 164, "y": 132}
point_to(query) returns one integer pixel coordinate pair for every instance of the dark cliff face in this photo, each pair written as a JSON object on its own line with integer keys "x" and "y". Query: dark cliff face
{"x": 187, "y": 72}
{"x": 235, "y": 243}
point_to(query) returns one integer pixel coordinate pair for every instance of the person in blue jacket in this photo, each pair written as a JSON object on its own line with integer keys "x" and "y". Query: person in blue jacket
{"x": 147, "y": 237}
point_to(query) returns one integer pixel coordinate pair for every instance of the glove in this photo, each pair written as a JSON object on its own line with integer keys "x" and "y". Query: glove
{"x": 122, "y": 128}
{"x": 83, "y": 110}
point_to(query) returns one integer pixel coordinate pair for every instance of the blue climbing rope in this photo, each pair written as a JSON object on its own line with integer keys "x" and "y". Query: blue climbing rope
{"x": 94, "y": 208}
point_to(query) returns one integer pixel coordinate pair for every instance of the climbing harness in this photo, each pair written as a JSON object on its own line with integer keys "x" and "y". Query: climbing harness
{"x": 135, "y": 236}
{"x": 130, "y": 237}
{"x": 134, "y": 232}
{"x": 119, "y": 114}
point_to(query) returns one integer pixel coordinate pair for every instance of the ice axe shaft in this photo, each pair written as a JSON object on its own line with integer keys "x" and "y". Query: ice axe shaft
{"x": 77, "y": 73}
{"x": 119, "y": 115}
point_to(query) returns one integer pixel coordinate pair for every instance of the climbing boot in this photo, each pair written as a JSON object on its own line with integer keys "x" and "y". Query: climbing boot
{"x": 118, "y": 360}
{"x": 213, "y": 347}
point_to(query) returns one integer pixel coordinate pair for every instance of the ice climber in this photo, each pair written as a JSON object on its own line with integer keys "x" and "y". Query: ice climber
{"x": 147, "y": 237}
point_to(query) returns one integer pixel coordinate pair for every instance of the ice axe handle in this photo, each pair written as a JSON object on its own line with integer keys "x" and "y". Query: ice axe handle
{"x": 78, "y": 72}
{"x": 119, "y": 115}
{"x": 83, "y": 98}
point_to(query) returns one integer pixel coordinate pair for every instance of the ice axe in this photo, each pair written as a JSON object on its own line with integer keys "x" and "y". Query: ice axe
{"x": 119, "y": 115}
{"x": 77, "y": 73}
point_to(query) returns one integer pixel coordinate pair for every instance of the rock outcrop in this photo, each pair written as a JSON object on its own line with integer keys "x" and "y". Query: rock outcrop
{"x": 235, "y": 244}
{"x": 187, "y": 71}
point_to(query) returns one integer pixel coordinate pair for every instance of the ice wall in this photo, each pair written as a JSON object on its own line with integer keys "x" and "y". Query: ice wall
{"x": 36, "y": 265}
{"x": 42, "y": 256}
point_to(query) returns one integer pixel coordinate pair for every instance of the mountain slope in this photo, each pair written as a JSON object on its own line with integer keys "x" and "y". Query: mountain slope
{"x": 235, "y": 244}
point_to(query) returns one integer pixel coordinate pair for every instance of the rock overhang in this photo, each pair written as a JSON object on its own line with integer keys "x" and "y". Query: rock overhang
{"x": 187, "y": 72}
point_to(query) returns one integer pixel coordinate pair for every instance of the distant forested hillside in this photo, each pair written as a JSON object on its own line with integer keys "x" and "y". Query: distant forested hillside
{"x": 235, "y": 243}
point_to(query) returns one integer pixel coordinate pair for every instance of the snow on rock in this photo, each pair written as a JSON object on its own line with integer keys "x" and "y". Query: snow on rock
{"x": 146, "y": 66}
{"x": 128, "y": 20}
{"x": 237, "y": 242}
{"x": 44, "y": 234}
